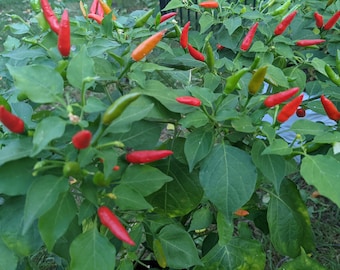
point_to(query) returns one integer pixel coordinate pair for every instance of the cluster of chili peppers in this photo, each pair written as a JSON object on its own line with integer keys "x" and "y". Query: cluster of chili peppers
{"x": 97, "y": 11}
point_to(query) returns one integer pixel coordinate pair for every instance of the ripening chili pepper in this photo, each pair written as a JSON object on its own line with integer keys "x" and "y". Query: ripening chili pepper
{"x": 64, "y": 37}
{"x": 11, "y": 121}
{"x": 167, "y": 16}
{"x": 82, "y": 9}
{"x": 330, "y": 108}
{"x": 118, "y": 106}
{"x": 278, "y": 98}
{"x": 96, "y": 17}
{"x": 309, "y": 42}
{"x": 183, "y": 40}
{"x": 100, "y": 10}
{"x": 332, "y": 21}
{"x": 335, "y": 78}
{"x": 142, "y": 20}
{"x": 232, "y": 81}
{"x": 318, "y": 19}
{"x": 248, "y": 39}
{"x": 188, "y": 100}
{"x": 281, "y": 27}
{"x": 106, "y": 9}
{"x": 209, "y": 4}
{"x": 281, "y": 9}
{"x": 300, "y": 112}
{"x": 289, "y": 109}
{"x": 146, "y": 156}
{"x": 241, "y": 213}
{"x": 257, "y": 80}
{"x": 93, "y": 8}
{"x": 82, "y": 139}
{"x": 147, "y": 46}
{"x": 196, "y": 54}
{"x": 110, "y": 220}
{"x": 49, "y": 15}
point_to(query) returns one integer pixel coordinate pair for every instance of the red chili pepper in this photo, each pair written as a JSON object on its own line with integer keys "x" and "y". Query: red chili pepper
{"x": 309, "y": 42}
{"x": 183, "y": 40}
{"x": 219, "y": 47}
{"x": 96, "y": 17}
{"x": 188, "y": 100}
{"x": 11, "y": 121}
{"x": 167, "y": 16}
{"x": 289, "y": 109}
{"x": 196, "y": 54}
{"x": 110, "y": 220}
{"x": 248, "y": 39}
{"x": 82, "y": 139}
{"x": 146, "y": 156}
{"x": 49, "y": 15}
{"x": 300, "y": 112}
{"x": 281, "y": 27}
{"x": 209, "y": 4}
{"x": 332, "y": 21}
{"x": 280, "y": 97}
{"x": 93, "y": 8}
{"x": 330, "y": 109}
{"x": 100, "y": 10}
{"x": 318, "y": 19}
{"x": 64, "y": 37}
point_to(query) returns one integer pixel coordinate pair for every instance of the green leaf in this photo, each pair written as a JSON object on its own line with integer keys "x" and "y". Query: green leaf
{"x": 278, "y": 147}
{"x": 232, "y": 24}
{"x": 140, "y": 176}
{"x": 201, "y": 219}
{"x": 309, "y": 127}
{"x": 130, "y": 199}
{"x": 206, "y": 20}
{"x": 41, "y": 196}
{"x": 225, "y": 229}
{"x": 288, "y": 221}
{"x": 8, "y": 260}
{"x": 47, "y": 130}
{"x": 228, "y": 178}
{"x": 194, "y": 119}
{"x": 327, "y": 137}
{"x": 298, "y": 77}
{"x": 54, "y": 223}
{"x": 81, "y": 66}
{"x": 243, "y": 124}
{"x": 197, "y": 146}
{"x": 258, "y": 46}
{"x": 94, "y": 104}
{"x": 91, "y": 250}
{"x": 323, "y": 172}
{"x": 15, "y": 149}
{"x": 206, "y": 95}
{"x": 41, "y": 84}
{"x": 173, "y": 4}
{"x": 179, "y": 248}
{"x": 276, "y": 76}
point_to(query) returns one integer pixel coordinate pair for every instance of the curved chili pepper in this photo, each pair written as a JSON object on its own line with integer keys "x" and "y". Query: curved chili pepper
{"x": 93, "y": 8}
{"x": 335, "y": 78}
{"x": 167, "y": 16}
{"x": 256, "y": 80}
{"x": 82, "y": 9}
{"x": 82, "y": 139}
{"x": 248, "y": 39}
{"x": 188, "y": 100}
{"x": 183, "y": 40}
{"x": 146, "y": 156}
{"x": 106, "y": 9}
{"x": 49, "y": 15}
{"x": 110, "y": 220}
{"x": 278, "y": 98}
{"x": 289, "y": 109}
{"x": 209, "y": 4}
{"x": 318, "y": 19}
{"x": 332, "y": 21}
{"x": 11, "y": 121}
{"x": 147, "y": 46}
{"x": 196, "y": 54}
{"x": 64, "y": 37}
{"x": 309, "y": 42}
{"x": 142, "y": 20}
{"x": 232, "y": 80}
{"x": 281, "y": 27}
{"x": 330, "y": 109}
{"x": 96, "y": 17}
{"x": 281, "y": 9}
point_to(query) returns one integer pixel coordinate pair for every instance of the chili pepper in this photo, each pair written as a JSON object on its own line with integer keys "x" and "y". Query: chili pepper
{"x": 96, "y": 17}
{"x": 167, "y": 16}
{"x": 11, "y": 121}
{"x": 106, "y": 9}
{"x": 329, "y": 2}
{"x": 49, "y": 15}
{"x": 280, "y": 97}
{"x": 318, "y": 19}
{"x": 93, "y": 8}
{"x": 309, "y": 42}
{"x": 99, "y": 179}
{"x": 35, "y": 5}
{"x": 209, "y": 4}
{"x": 146, "y": 156}
{"x": 337, "y": 60}
{"x": 330, "y": 109}
{"x": 210, "y": 60}
{"x": 64, "y": 37}
{"x": 289, "y": 109}
{"x": 335, "y": 78}
{"x": 281, "y": 27}
{"x": 300, "y": 112}
{"x": 72, "y": 168}
{"x": 185, "y": 35}
{"x": 147, "y": 46}
{"x": 219, "y": 47}
{"x": 248, "y": 39}
{"x": 332, "y": 21}
{"x": 118, "y": 106}
{"x": 281, "y": 9}
{"x": 189, "y": 101}
{"x": 241, "y": 213}
{"x": 110, "y": 220}
{"x": 82, "y": 9}
{"x": 256, "y": 80}
{"x": 4, "y": 102}
{"x": 142, "y": 20}
{"x": 196, "y": 54}
{"x": 233, "y": 80}
{"x": 82, "y": 139}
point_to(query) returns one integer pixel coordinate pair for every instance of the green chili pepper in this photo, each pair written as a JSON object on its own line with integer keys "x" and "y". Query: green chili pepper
{"x": 335, "y": 78}
{"x": 337, "y": 61}
{"x": 99, "y": 179}
{"x": 330, "y": 2}
{"x": 35, "y": 5}
{"x": 256, "y": 80}
{"x": 4, "y": 103}
{"x": 210, "y": 59}
{"x": 231, "y": 82}
{"x": 72, "y": 168}
{"x": 118, "y": 106}
{"x": 142, "y": 20}
{"x": 281, "y": 9}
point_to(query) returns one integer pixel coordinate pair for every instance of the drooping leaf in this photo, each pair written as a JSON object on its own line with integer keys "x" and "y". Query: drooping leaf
{"x": 130, "y": 199}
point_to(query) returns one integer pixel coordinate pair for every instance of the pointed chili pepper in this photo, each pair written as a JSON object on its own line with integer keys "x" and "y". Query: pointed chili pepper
{"x": 281, "y": 9}
{"x": 142, "y": 20}
{"x": 289, "y": 109}
{"x": 11, "y": 121}
{"x": 257, "y": 80}
{"x": 49, "y": 15}
{"x": 146, "y": 156}
{"x": 209, "y": 4}
{"x": 64, "y": 37}
{"x": 281, "y": 27}
{"x": 278, "y": 98}
{"x": 335, "y": 78}
{"x": 196, "y": 54}
{"x": 167, "y": 16}
{"x": 96, "y": 17}
{"x": 82, "y": 9}
{"x": 248, "y": 39}
{"x": 318, "y": 19}
{"x": 232, "y": 81}
{"x": 106, "y": 9}
{"x": 210, "y": 59}
{"x": 93, "y": 8}
{"x": 82, "y": 139}
{"x": 309, "y": 42}
{"x": 183, "y": 40}
{"x": 332, "y": 21}
{"x": 330, "y": 109}
{"x": 188, "y": 100}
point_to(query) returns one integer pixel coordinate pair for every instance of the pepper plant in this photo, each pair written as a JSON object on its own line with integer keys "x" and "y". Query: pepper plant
{"x": 148, "y": 139}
